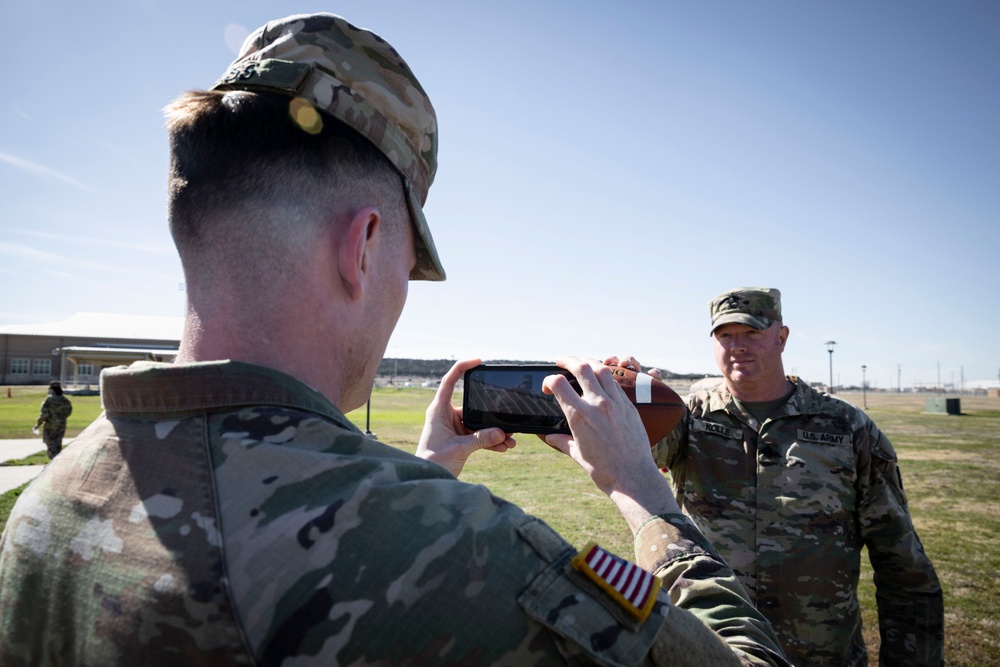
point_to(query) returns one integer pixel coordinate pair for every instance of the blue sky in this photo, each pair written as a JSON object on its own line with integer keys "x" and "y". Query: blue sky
{"x": 605, "y": 170}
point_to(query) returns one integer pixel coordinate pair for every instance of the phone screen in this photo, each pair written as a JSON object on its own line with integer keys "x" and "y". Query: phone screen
{"x": 511, "y": 398}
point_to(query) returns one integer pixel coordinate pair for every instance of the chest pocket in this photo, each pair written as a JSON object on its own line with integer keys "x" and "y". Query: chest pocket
{"x": 818, "y": 473}
{"x": 716, "y": 464}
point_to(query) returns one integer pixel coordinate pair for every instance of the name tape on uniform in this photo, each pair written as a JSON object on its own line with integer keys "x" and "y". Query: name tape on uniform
{"x": 702, "y": 426}
{"x": 824, "y": 438}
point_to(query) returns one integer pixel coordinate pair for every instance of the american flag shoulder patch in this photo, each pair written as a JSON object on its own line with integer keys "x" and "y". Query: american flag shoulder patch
{"x": 628, "y": 584}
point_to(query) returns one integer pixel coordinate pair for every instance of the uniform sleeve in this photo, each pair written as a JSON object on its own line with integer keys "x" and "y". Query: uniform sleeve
{"x": 666, "y": 451}
{"x": 907, "y": 590}
{"x": 700, "y": 583}
{"x": 44, "y": 414}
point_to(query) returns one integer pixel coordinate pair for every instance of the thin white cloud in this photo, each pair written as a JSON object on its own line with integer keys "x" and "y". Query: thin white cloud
{"x": 29, "y": 253}
{"x": 60, "y": 274}
{"x": 164, "y": 249}
{"x": 114, "y": 150}
{"x": 41, "y": 170}
{"x": 52, "y": 259}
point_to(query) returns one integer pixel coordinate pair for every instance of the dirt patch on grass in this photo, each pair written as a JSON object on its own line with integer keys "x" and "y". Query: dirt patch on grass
{"x": 988, "y": 463}
{"x": 940, "y": 455}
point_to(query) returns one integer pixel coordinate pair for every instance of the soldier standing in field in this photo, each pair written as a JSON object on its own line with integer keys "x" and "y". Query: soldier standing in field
{"x": 224, "y": 510}
{"x": 56, "y": 409}
{"x": 790, "y": 485}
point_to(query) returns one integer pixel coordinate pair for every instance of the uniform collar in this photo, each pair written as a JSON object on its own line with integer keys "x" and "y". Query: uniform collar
{"x": 153, "y": 390}
{"x": 804, "y": 401}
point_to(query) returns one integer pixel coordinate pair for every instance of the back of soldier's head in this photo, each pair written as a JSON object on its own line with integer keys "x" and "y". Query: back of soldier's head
{"x": 244, "y": 175}
{"x": 312, "y": 112}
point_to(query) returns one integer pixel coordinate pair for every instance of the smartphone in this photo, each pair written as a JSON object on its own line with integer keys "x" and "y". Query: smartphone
{"x": 510, "y": 397}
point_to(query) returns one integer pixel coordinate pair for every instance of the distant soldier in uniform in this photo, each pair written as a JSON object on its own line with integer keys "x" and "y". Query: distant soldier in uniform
{"x": 56, "y": 409}
{"x": 789, "y": 484}
{"x": 224, "y": 511}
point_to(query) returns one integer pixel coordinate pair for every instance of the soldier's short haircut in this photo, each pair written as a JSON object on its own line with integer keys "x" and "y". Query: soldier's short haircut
{"x": 246, "y": 177}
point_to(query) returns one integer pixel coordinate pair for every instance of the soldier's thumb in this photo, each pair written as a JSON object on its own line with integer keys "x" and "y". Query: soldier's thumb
{"x": 488, "y": 437}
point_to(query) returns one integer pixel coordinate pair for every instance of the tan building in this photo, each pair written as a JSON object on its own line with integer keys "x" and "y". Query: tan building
{"x": 75, "y": 351}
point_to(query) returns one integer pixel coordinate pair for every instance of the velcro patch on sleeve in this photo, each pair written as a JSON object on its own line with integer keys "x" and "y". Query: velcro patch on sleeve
{"x": 632, "y": 587}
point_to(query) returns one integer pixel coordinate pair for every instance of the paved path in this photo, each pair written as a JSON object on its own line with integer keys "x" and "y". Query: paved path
{"x": 19, "y": 449}
{"x": 12, "y": 477}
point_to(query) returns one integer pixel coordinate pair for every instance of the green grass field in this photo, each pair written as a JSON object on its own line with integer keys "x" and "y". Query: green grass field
{"x": 950, "y": 466}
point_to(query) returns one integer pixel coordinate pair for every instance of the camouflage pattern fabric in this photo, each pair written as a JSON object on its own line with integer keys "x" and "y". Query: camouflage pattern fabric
{"x": 789, "y": 503}
{"x": 222, "y": 513}
{"x": 55, "y": 410}
{"x": 323, "y": 62}
{"x": 756, "y": 307}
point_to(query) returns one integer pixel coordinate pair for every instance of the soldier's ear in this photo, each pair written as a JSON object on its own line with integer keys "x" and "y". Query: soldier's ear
{"x": 783, "y": 336}
{"x": 353, "y": 257}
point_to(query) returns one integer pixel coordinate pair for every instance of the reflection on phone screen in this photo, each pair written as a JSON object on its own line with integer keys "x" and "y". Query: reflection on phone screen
{"x": 512, "y": 398}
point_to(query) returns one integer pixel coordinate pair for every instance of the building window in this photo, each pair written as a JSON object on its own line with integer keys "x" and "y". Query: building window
{"x": 41, "y": 367}
{"x": 85, "y": 369}
{"x": 19, "y": 366}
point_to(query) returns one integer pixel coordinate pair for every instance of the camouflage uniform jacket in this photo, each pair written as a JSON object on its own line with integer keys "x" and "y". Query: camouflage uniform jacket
{"x": 222, "y": 513}
{"x": 789, "y": 503}
{"x": 54, "y": 413}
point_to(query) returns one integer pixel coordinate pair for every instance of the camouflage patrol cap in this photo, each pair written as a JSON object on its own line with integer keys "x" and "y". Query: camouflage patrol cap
{"x": 358, "y": 78}
{"x": 757, "y": 307}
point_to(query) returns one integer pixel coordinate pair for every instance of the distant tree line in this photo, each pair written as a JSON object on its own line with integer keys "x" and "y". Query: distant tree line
{"x": 435, "y": 368}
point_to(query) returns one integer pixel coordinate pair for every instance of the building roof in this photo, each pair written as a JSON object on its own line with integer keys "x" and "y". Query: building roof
{"x": 114, "y": 349}
{"x": 111, "y": 353}
{"x": 104, "y": 325}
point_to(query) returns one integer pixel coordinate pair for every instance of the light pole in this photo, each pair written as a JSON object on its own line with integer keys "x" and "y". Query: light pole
{"x": 829, "y": 348}
{"x": 864, "y": 386}
{"x": 368, "y": 415}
